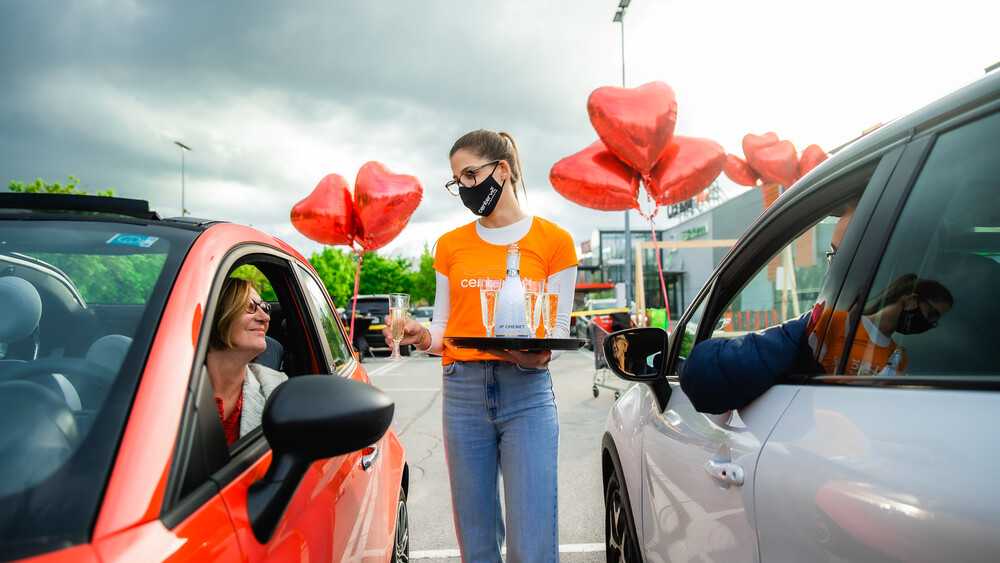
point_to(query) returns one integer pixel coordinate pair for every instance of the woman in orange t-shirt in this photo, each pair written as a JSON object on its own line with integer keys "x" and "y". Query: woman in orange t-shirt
{"x": 498, "y": 406}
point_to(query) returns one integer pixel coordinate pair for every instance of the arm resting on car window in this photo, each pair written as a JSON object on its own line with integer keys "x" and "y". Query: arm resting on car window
{"x": 722, "y": 374}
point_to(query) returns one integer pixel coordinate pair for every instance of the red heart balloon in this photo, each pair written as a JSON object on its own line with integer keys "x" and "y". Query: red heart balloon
{"x": 753, "y": 143}
{"x": 595, "y": 178}
{"x": 739, "y": 171}
{"x": 811, "y": 156}
{"x": 688, "y": 166}
{"x": 775, "y": 163}
{"x": 636, "y": 124}
{"x": 327, "y": 214}
{"x": 384, "y": 202}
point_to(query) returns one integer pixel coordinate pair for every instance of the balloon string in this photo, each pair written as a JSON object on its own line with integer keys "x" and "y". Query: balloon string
{"x": 650, "y": 200}
{"x": 659, "y": 264}
{"x": 354, "y": 306}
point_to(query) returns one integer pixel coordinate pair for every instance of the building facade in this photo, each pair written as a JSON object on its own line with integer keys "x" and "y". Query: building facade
{"x": 710, "y": 217}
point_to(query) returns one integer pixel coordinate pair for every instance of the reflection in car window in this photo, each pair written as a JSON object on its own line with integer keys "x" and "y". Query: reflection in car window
{"x": 945, "y": 251}
{"x": 690, "y": 329}
{"x": 340, "y": 352}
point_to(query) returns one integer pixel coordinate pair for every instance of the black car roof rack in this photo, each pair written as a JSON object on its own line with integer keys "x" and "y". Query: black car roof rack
{"x": 136, "y": 208}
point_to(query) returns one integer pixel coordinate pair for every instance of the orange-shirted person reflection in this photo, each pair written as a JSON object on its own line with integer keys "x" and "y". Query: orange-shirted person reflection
{"x": 910, "y": 305}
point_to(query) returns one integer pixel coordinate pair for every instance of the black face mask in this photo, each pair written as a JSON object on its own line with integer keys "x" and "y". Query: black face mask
{"x": 482, "y": 198}
{"x": 913, "y": 321}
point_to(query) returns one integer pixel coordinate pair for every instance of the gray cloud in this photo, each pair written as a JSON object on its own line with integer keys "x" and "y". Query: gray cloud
{"x": 273, "y": 96}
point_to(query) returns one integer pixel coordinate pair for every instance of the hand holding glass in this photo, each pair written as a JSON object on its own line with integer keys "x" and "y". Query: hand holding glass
{"x": 550, "y": 307}
{"x": 399, "y": 304}
{"x": 489, "y": 289}
{"x": 533, "y": 290}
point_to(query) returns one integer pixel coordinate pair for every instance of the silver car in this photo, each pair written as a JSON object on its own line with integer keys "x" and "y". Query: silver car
{"x": 834, "y": 416}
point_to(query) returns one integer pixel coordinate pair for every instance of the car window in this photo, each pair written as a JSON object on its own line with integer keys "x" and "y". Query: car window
{"x": 778, "y": 271}
{"x": 689, "y": 331}
{"x": 932, "y": 306}
{"x": 787, "y": 285}
{"x": 203, "y": 457}
{"x": 422, "y": 314}
{"x": 377, "y": 307}
{"x": 69, "y": 364}
{"x": 339, "y": 351}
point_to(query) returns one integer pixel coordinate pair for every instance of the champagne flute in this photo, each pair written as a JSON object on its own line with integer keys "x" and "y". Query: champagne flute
{"x": 489, "y": 289}
{"x": 399, "y": 304}
{"x": 533, "y": 289}
{"x": 550, "y": 306}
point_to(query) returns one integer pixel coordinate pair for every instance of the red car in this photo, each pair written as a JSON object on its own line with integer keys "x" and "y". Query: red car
{"x": 111, "y": 446}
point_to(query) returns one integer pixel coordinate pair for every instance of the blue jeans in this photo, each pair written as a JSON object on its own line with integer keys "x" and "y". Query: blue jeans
{"x": 501, "y": 417}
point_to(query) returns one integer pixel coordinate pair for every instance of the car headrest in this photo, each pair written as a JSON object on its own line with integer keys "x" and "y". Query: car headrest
{"x": 21, "y": 306}
{"x": 109, "y": 351}
{"x": 271, "y": 357}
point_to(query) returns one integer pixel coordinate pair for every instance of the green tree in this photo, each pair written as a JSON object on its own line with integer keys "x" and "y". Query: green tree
{"x": 39, "y": 186}
{"x": 423, "y": 282}
{"x": 109, "y": 278}
{"x": 260, "y": 282}
{"x": 382, "y": 274}
{"x": 379, "y": 274}
{"x": 336, "y": 270}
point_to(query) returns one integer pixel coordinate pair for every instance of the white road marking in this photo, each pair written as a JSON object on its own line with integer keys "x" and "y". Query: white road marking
{"x": 446, "y": 553}
{"x": 391, "y": 365}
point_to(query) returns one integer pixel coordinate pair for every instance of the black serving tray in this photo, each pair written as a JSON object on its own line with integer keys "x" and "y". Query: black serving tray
{"x": 526, "y": 344}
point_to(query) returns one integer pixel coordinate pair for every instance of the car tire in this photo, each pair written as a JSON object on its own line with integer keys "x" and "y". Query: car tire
{"x": 620, "y": 540}
{"x": 401, "y": 537}
{"x": 404, "y": 350}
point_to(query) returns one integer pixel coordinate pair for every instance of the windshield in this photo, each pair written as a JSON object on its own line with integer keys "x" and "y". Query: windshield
{"x": 372, "y": 306}
{"x": 79, "y": 303}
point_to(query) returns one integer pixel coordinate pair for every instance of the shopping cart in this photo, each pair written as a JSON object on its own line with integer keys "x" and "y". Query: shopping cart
{"x": 602, "y": 373}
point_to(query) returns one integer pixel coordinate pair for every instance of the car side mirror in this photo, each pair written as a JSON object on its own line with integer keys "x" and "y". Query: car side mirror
{"x": 639, "y": 354}
{"x": 308, "y": 418}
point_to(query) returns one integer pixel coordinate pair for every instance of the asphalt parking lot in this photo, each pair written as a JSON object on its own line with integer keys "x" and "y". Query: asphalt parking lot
{"x": 415, "y": 385}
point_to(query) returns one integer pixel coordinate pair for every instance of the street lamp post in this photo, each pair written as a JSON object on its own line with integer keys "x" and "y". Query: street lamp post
{"x": 184, "y": 148}
{"x": 620, "y": 18}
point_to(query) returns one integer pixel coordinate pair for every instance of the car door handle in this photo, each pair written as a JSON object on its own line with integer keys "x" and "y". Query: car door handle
{"x": 725, "y": 471}
{"x": 369, "y": 456}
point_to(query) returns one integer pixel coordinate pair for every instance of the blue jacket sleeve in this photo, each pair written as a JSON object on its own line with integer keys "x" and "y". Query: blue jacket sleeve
{"x": 722, "y": 374}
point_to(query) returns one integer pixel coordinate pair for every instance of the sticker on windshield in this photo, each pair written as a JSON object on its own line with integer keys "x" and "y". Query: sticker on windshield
{"x": 133, "y": 240}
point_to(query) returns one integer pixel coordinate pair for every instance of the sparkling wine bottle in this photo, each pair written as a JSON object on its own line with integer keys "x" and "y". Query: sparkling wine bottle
{"x": 511, "y": 321}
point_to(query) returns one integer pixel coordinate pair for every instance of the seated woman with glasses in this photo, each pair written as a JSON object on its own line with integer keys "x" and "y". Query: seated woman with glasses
{"x": 910, "y": 305}
{"x": 237, "y": 338}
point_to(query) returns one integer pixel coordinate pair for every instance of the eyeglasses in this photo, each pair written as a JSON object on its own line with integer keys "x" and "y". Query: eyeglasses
{"x": 262, "y": 305}
{"x": 935, "y": 315}
{"x": 468, "y": 178}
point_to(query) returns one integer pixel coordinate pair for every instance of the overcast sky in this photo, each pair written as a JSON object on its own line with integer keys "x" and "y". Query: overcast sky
{"x": 272, "y": 96}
